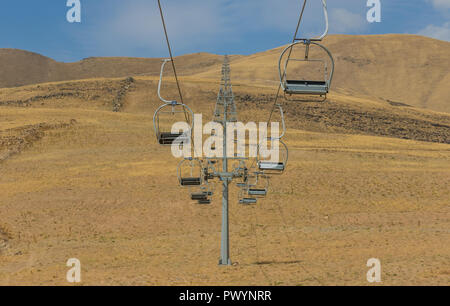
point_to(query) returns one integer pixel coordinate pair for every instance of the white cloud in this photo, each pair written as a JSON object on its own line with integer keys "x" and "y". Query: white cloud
{"x": 438, "y": 32}
{"x": 344, "y": 21}
{"x": 440, "y": 4}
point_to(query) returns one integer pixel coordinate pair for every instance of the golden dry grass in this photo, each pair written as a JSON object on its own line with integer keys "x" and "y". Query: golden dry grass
{"x": 103, "y": 191}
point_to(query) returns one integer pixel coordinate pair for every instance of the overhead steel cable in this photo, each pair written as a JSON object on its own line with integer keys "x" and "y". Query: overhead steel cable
{"x": 171, "y": 57}
{"x": 186, "y": 115}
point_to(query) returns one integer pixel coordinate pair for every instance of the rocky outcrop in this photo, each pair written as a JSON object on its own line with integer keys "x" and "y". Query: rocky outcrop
{"x": 118, "y": 100}
{"x": 14, "y": 141}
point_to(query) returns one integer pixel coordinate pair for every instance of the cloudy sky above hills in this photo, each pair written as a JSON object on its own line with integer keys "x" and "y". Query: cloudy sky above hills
{"x": 133, "y": 27}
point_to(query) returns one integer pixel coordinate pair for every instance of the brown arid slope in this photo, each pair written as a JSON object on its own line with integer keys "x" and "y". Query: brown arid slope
{"x": 402, "y": 69}
{"x": 366, "y": 179}
{"x": 406, "y": 69}
{"x": 23, "y": 68}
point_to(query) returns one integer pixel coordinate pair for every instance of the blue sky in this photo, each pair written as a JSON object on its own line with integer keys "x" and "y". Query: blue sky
{"x": 133, "y": 27}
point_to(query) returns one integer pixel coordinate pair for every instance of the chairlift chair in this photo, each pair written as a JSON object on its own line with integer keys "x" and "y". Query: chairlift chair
{"x": 203, "y": 197}
{"x": 247, "y": 200}
{"x": 168, "y": 111}
{"x": 271, "y": 167}
{"x": 296, "y": 86}
{"x": 257, "y": 189}
{"x": 192, "y": 177}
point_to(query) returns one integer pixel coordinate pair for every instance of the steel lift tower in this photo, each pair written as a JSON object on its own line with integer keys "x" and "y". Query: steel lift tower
{"x": 225, "y": 112}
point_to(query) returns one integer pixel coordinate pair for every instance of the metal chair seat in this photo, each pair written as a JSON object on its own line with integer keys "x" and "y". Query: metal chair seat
{"x": 204, "y": 202}
{"x": 248, "y": 201}
{"x": 306, "y": 87}
{"x": 257, "y": 192}
{"x": 199, "y": 196}
{"x": 191, "y": 181}
{"x": 271, "y": 166}
{"x": 169, "y": 138}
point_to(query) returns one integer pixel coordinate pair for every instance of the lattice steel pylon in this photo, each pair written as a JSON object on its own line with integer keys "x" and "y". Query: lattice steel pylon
{"x": 225, "y": 112}
{"x": 225, "y": 106}
{"x": 201, "y": 172}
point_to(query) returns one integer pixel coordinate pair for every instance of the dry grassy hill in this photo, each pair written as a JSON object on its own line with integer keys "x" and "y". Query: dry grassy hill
{"x": 407, "y": 69}
{"x": 79, "y": 180}
{"x": 83, "y": 176}
{"x": 23, "y": 68}
{"x": 404, "y": 69}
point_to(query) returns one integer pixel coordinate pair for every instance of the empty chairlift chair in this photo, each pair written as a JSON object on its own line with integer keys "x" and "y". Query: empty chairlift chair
{"x": 190, "y": 172}
{"x": 203, "y": 197}
{"x": 296, "y": 85}
{"x": 259, "y": 188}
{"x": 275, "y": 167}
{"x": 169, "y": 113}
{"x": 244, "y": 199}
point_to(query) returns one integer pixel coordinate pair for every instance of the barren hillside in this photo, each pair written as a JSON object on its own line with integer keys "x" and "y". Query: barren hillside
{"x": 23, "y": 68}
{"x": 407, "y": 69}
{"x": 403, "y": 69}
{"x": 79, "y": 180}
{"x": 82, "y": 175}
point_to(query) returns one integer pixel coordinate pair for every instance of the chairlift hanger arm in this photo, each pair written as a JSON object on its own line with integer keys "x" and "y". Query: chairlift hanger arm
{"x": 165, "y": 61}
{"x": 325, "y": 33}
{"x": 283, "y": 124}
{"x": 170, "y": 51}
